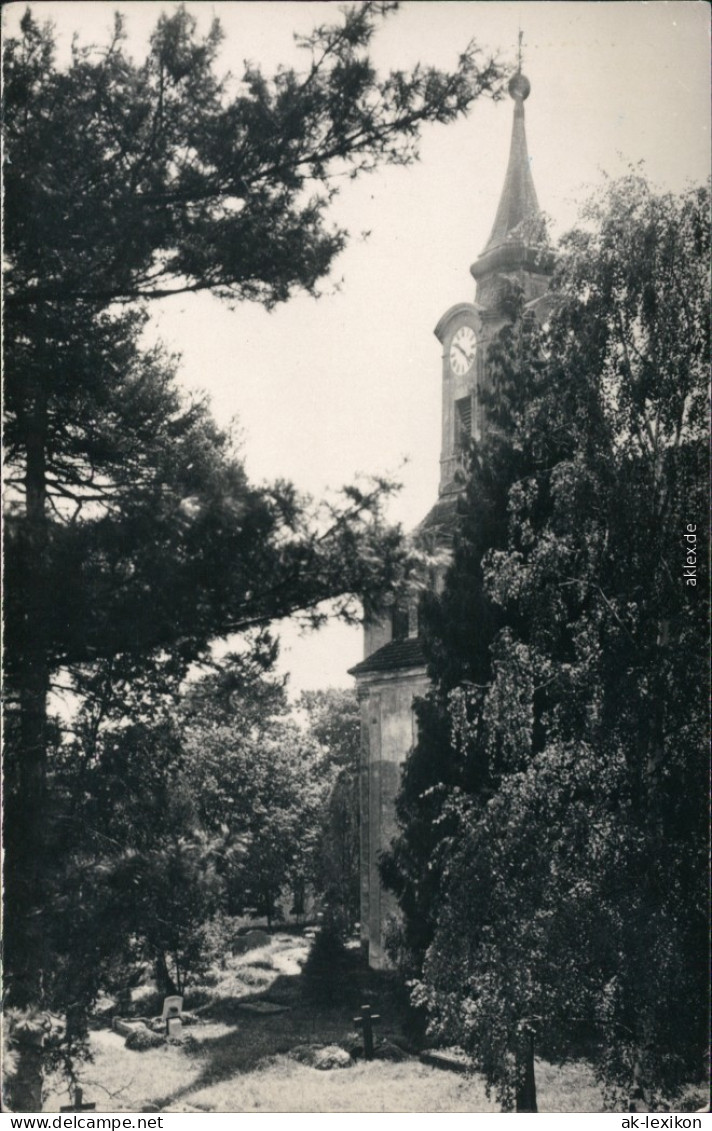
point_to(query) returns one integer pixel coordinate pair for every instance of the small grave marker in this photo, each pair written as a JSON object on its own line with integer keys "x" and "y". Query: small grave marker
{"x": 172, "y": 1007}
{"x": 366, "y": 1022}
{"x": 172, "y": 1010}
{"x": 78, "y": 1105}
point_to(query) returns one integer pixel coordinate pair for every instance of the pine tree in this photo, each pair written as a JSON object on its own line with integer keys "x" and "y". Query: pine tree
{"x": 132, "y": 529}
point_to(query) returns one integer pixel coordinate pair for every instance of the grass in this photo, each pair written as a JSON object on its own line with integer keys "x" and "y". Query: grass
{"x": 283, "y": 1085}
{"x": 211, "y": 1081}
{"x": 235, "y": 1061}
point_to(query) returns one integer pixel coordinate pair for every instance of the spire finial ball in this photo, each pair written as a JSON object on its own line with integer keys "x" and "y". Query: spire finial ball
{"x": 519, "y": 87}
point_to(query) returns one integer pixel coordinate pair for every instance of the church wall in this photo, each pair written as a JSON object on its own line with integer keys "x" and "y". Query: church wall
{"x": 388, "y": 730}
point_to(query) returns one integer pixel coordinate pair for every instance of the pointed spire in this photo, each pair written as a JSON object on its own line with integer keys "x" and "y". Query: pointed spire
{"x": 518, "y": 202}
{"x": 518, "y": 237}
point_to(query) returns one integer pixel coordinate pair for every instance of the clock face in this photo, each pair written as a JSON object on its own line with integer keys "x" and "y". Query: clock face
{"x": 462, "y": 351}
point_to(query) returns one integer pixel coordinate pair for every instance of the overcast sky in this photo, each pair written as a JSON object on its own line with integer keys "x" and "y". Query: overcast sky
{"x": 351, "y": 382}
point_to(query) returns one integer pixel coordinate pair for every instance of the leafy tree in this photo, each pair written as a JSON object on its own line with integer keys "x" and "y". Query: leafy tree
{"x": 334, "y": 722}
{"x": 127, "y": 182}
{"x": 137, "y": 873}
{"x": 265, "y": 783}
{"x": 573, "y": 892}
{"x": 457, "y": 653}
{"x": 206, "y": 802}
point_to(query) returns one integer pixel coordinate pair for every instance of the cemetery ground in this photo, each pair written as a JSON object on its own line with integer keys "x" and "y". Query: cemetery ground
{"x": 259, "y": 1024}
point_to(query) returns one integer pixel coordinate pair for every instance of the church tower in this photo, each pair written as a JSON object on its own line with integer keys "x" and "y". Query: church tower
{"x": 393, "y": 672}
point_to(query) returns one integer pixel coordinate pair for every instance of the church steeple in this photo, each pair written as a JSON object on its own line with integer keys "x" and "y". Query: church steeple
{"x": 516, "y": 263}
{"x": 518, "y": 234}
{"x": 518, "y": 203}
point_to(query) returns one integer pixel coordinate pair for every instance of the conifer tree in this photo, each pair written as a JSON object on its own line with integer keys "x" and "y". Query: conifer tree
{"x": 132, "y": 531}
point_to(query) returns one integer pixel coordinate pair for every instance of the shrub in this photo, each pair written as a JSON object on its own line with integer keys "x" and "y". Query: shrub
{"x": 143, "y": 1039}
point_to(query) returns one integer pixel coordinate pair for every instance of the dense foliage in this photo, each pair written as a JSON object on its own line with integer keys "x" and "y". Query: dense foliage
{"x": 560, "y": 886}
{"x": 334, "y": 722}
{"x": 205, "y": 807}
{"x": 133, "y": 536}
{"x": 132, "y": 180}
{"x": 215, "y": 800}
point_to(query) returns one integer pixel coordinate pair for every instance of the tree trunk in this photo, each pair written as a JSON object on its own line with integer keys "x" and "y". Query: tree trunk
{"x": 23, "y": 1090}
{"x": 526, "y": 1084}
{"x": 26, "y": 804}
{"x": 164, "y": 982}
{"x": 639, "y": 1099}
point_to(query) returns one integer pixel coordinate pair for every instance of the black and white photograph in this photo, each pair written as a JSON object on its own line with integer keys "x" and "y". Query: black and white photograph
{"x": 355, "y": 559}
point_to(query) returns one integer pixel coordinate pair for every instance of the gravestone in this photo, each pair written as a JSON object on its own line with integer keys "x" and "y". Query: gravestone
{"x": 78, "y": 1105}
{"x": 171, "y": 1015}
{"x": 172, "y": 1007}
{"x": 366, "y": 1022}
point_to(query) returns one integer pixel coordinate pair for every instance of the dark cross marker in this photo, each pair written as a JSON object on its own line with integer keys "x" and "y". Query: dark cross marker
{"x": 78, "y": 1105}
{"x": 366, "y": 1023}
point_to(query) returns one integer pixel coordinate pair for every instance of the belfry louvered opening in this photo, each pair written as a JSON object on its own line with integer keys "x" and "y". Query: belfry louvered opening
{"x": 463, "y": 423}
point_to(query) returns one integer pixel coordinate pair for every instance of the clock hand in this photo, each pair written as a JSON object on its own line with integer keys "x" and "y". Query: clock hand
{"x": 467, "y": 356}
